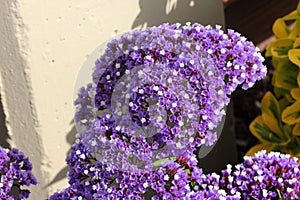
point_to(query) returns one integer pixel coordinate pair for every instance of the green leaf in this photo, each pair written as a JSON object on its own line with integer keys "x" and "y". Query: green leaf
{"x": 296, "y": 93}
{"x": 193, "y": 184}
{"x": 296, "y": 43}
{"x": 262, "y": 132}
{"x": 285, "y": 76}
{"x": 271, "y": 113}
{"x": 158, "y": 163}
{"x": 283, "y": 103}
{"x": 291, "y": 16}
{"x": 280, "y": 29}
{"x": 296, "y": 25}
{"x": 298, "y": 79}
{"x": 280, "y": 92}
{"x": 298, "y": 9}
{"x": 296, "y": 130}
{"x": 281, "y": 47}
{"x": 268, "y": 50}
{"x": 294, "y": 34}
{"x": 294, "y": 56}
{"x": 291, "y": 114}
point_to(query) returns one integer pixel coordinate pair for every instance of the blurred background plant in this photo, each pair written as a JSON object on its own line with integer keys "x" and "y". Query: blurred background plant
{"x": 278, "y": 126}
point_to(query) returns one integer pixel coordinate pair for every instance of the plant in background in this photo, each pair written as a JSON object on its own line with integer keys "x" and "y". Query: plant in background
{"x": 278, "y": 127}
{"x": 156, "y": 95}
{"x": 15, "y": 172}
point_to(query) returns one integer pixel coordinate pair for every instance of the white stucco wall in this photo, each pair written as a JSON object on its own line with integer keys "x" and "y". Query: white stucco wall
{"x": 42, "y": 47}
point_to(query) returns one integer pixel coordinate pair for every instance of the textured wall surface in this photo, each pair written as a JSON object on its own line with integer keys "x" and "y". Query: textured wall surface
{"x": 42, "y": 47}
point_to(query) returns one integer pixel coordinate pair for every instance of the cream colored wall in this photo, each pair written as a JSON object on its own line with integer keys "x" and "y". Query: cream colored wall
{"x": 42, "y": 47}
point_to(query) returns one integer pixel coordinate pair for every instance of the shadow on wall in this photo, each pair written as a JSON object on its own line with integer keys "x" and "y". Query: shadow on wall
{"x": 156, "y": 12}
{"x": 71, "y": 140}
{"x": 3, "y": 130}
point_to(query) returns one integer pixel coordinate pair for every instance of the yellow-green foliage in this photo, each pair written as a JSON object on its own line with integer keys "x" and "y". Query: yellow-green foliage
{"x": 278, "y": 127}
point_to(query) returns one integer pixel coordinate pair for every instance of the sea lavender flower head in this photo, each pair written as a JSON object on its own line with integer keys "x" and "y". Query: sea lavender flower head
{"x": 154, "y": 94}
{"x": 15, "y": 172}
{"x": 265, "y": 176}
{"x": 90, "y": 179}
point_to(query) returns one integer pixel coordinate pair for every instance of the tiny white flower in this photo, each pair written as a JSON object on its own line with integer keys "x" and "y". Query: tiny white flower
{"x": 82, "y": 156}
{"x": 143, "y": 120}
{"x": 229, "y": 64}
{"x": 155, "y": 88}
{"x": 190, "y": 115}
{"x": 289, "y": 190}
{"x": 166, "y": 177}
{"x": 141, "y": 91}
{"x": 210, "y": 73}
{"x": 210, "y": 125}
{"x": 265, "y": 192}
{"x": 218, "y": 26}
{"x": 159, "y": 118}
{"x": 259, "y": 172}
{"x": 92, "y": 169}
{"x": 188, "y": 45}
{"x": 220, "y": 92}
{"x": 145, "y": 185}
{"x": 94, "y": 143}
{"x": 264, "y": 69}
{"x": 209, "y": 51}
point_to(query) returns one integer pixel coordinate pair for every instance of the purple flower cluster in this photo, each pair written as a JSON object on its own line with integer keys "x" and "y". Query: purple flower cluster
{"x": 15, "y": 172}
{"x": 156, "y": 95}
{"x": 237, "y": 59}
{"x": 264, "y": 176}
